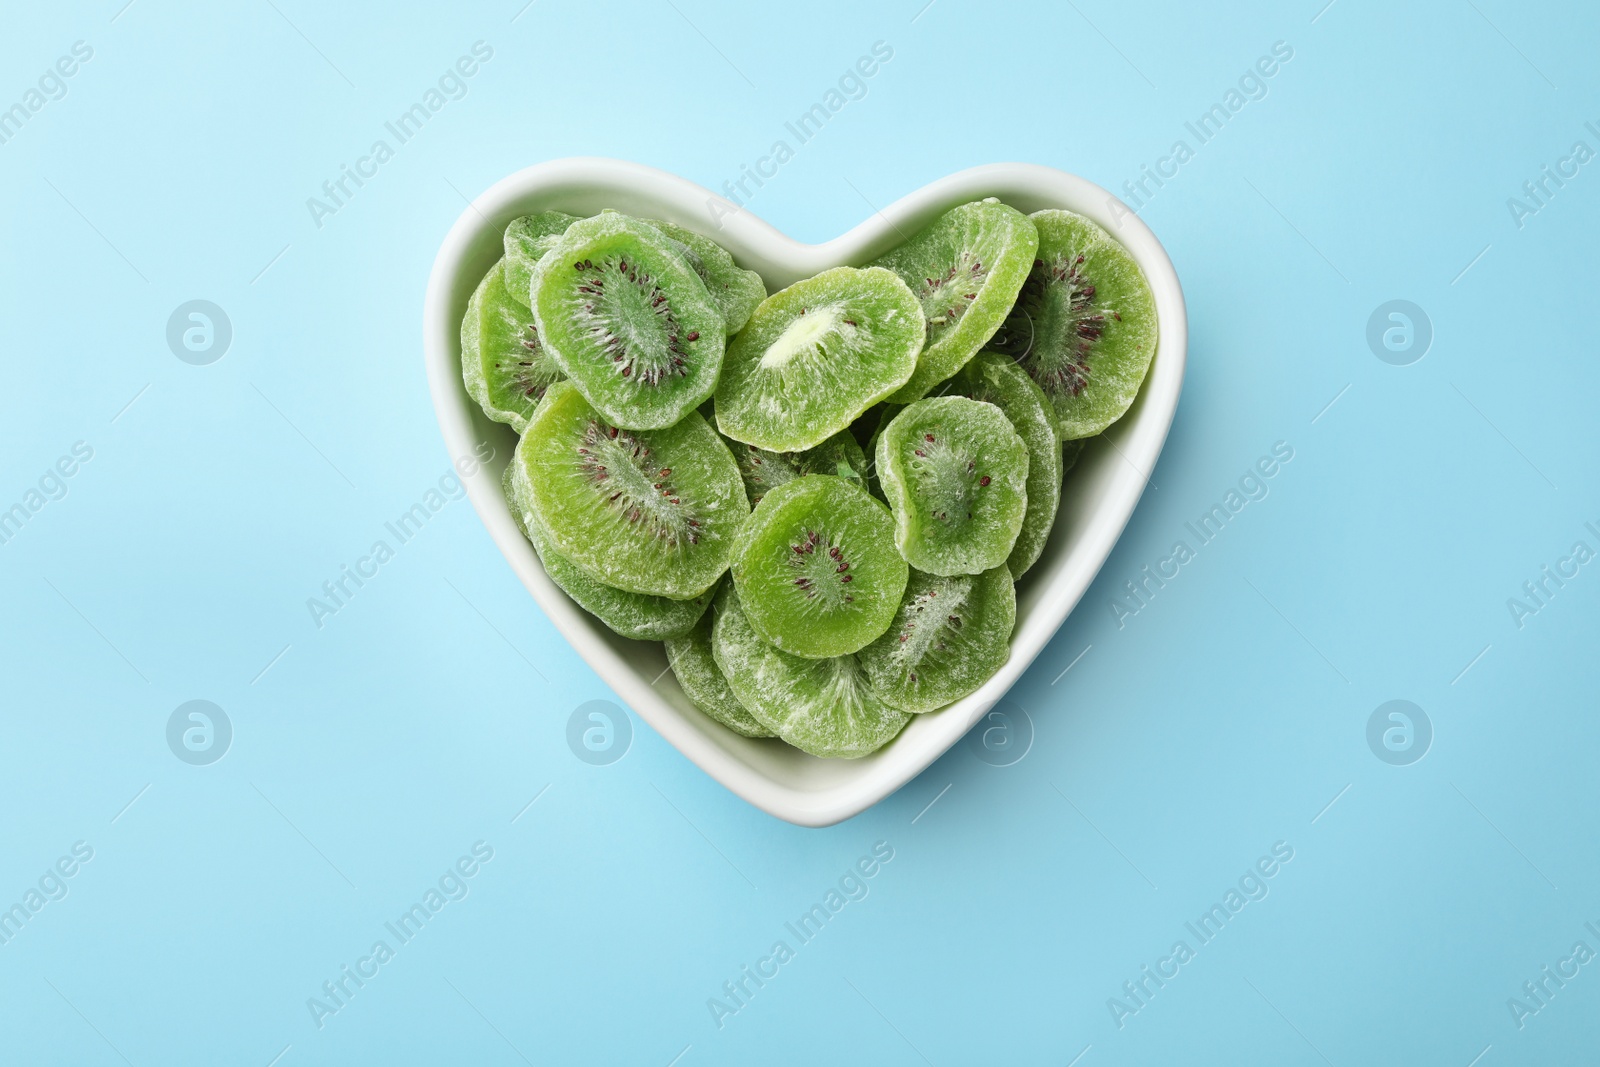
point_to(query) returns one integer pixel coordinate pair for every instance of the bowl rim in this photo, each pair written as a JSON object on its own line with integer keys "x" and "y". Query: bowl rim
{"x": 1139, "y": 436}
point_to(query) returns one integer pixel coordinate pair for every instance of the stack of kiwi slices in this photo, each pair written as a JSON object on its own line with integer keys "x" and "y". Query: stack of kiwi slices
{"x": 691, "y": 466}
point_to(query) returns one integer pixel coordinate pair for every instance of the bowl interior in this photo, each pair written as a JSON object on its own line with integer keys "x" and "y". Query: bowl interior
{"x": 1098, "y": 496}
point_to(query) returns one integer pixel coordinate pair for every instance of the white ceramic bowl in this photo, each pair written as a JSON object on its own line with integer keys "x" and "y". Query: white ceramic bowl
{"x": 1098, "y": 498}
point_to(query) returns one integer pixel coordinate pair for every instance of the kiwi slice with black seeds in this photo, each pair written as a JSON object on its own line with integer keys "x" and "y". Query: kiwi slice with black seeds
{"x": 631, "y": 615}
{"x": 955, "y": 474}
{"x": 965, "y": 270}
{"x": 629, "y": 321}
{"x": 816, "y": 567}
{"x": 997, "y": 380}
{"x": 1084, "y": 324}
{"x": 949, "y": 637}
{"x": 504, "y": 365}
{"x": 648, "y": 511}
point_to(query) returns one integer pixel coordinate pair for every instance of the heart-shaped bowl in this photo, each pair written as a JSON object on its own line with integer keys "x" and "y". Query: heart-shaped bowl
{"x": 1097, "y": 500}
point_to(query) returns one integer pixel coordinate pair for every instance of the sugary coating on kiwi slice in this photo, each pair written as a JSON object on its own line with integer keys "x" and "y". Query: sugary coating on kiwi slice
{"x": 508, "y": 489}
{"x": 949, "y": 637}
{"x": 737, "y": 292}
{"x": 822, "y": 706}
{"x": 817, "y": 569}
{"x": 815, "y": 356}
{"x": 764, "y": 471}
{"x": 648, "y": 511}
{"x": 629, "y": 321}
{"x": 703, "y": 682}
{"x": 965, "y": 269}
{"x": 998, "y": 380}
{"x": 526, "y": 240}
{"x": 1084, "y": 325}
{"x": 955, "y": 473}
{"x": 503, "y": 364}
{"x": 632, "y": 615}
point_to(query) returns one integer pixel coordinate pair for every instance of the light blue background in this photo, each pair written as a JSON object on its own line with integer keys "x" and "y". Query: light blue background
{"x": 425, "y": 716}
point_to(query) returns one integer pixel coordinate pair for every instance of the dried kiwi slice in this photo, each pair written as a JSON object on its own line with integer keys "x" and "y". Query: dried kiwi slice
{"x": 762, "y": 471}
{"x": 949, "y": 637}
{"x": 817, "y": 569}
{"x": 998, "y": 380}
{"x": 632, "y": 615}
{"x": 505, "y": 367}
{"x": 646, "y": 511}
{"x": 822, "y": 706}
{"x": 955, "y": 473}
{"x": 815, "y": 356}
{"x": 703, "y": 682}
{"x": 627, "y": 319}
{"x": 508, "y": 489}
{"x": 527, "y": 239}
{"x": 736, "y": 291}
{"x": 965, "y": 269}
{"x": 1084, "y": 325}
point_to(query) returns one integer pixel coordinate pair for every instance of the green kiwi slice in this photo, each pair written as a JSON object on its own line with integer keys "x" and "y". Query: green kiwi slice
{"x": 813, "y": 357}
{"x": 632, "y": 615}
{"x": 1084, "y": 325}
{"x": 526, "y": 240}
{"x": 949, "y": 637}
{"x": 763, "y": 471}
{"x": 821, "y": 706}
{"x": 737, "y": 292}
{"x": 503, "y": 364}
{"x": 955, "y": 473}
{"x": 651, "y": 512}
{"x": 965, "y": 269}
{"x": 998, "y": 380}
{"x": 508, "y": 489}
{"x": 704, "y": 683}
{"x": 627, "y": 319}
{"x": 817, "y": 569}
